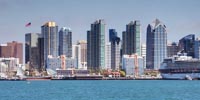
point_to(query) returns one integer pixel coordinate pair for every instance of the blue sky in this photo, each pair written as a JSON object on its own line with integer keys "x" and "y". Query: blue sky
{"x": 181, "y": 17}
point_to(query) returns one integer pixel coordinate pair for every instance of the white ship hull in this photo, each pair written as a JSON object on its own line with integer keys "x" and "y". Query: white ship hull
{"x": 180, "y": 76}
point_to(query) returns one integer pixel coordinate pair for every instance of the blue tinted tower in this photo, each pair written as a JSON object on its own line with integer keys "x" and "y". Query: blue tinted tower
{"x": 65, "y": 42}
{"x": 156, "y": 44}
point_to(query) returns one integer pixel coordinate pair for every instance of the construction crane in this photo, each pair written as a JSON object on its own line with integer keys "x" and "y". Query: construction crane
{"x": 136, "y": 66}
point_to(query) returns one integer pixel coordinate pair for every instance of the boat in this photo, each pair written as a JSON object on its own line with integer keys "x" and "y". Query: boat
{"x": 38, "y": 78}
{"x": 180, "y": 67}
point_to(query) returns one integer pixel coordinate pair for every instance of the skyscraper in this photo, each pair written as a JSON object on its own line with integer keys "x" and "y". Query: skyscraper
{"x": 143, "y": 53}
{"x": 186, "y": 44}
{"x": 83, "y": 54}
{"x": 115, "y": 49}
{"x": 156, "y": 44}
{"x": 108, "y": 56}
{"x": 131, "y": 38}
{"x": 41, "y": 53}
{"x": 76, "y": 51}
{"x": 112, "y": 34}
{"x": 65, "y": 42}
{"x": 50, "y": 34}
{"x": 96, "y": 46}
{"x": 32, "y": 54}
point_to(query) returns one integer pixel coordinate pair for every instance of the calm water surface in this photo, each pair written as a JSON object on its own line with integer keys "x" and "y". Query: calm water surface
{"x": 100, "y": 90}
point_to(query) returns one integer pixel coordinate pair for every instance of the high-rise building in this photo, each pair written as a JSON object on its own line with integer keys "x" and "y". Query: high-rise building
{"x": 131, "y": 38}
{"x": 41, "y": 53}
{"x": 108, "y": 56}
{"x": 115, "y": 49}
{"x": 197, "y": 48}
{"x": 143, "y": 53}
{"x": 32, "y": 54}
{"x": 83, "y": 54}
{"x": 76, "y": 54}
{"x": 112, "y": 34}
{"x": 79, "y": 53}
{"x": 65, "y": 42}
{"x": 186, "y": 44}
{"x": 96, "y": 46}
{"x": 143, "y": 50}
{"x": 16, "y": 50}
{"x": 172, "y": 49}
{"x": 156, "y": 44}
{"x": 50, "y": 34}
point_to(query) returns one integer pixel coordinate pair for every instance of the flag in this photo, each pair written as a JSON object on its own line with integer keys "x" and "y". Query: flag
{"x": 28, "y": 24}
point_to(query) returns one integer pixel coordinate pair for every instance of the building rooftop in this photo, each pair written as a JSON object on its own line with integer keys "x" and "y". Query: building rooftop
{"x": 156, "y": 23}
{"x": 50, "y": 24}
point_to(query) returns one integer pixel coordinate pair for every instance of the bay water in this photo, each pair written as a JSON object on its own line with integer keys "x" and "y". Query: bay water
{"x": 100, "y": 90}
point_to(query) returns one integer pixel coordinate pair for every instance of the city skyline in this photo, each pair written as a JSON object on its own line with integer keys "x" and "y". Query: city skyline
{"x": 180, "y": 18}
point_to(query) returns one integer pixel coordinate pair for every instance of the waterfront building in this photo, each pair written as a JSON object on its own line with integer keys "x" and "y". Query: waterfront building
{"x": 115, "y": 49}
{"x": 71, "y": 63}
{"x": 12, "y": 49}
{"x": 65, "y": 42}
{"x": 71, "y": 71}
{"x": 172, "y": 49}
{"x": 79, "y": 52}
{"x": 108, "y": 56}
{"x": 96, "y": 46}
{"x": 53, "y": 63}
{"x": 156, "y": 44}
{"x": 32, "y": 54}
{"x": 186, "y": 44}
{"x": 83, "y": 54}
{"x": 50, "y": 34}
{"x": 143, "y": 53}
{"x": 131, "y": 38}
{"x": 76, "y": 54}
{"x": 133, "y": 65}
{"x": 8, "y": 65}
{"x": 61, "y": 62}
{"x": 197, "y": 48}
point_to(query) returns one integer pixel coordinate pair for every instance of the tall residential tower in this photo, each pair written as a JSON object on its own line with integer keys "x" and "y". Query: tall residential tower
{"x": 65, "y": 42}
{"x": 131, "y": 39}
{"x": 156, "y": 44}
{"x": 96, "y": 46}
{"x": 50, "y": 34}
{"x": 115, "y": 49}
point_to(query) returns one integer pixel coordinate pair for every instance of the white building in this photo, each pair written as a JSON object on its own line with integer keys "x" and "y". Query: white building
{"x": 143, "y": 53}
{"x": 53, "y": 62}
{"x": 108, "y": 56}
{"x": 133, "y": 65}
{"x": 8, "y": 65}
{"x": 79, "y": 52}
{"x": 61, "y": 62}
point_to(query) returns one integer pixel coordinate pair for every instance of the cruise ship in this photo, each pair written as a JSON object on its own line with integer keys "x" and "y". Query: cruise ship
{"x": 180, "y": 67}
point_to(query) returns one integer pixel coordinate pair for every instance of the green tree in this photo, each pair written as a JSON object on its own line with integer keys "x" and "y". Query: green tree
{"x": 122, "y": 73}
